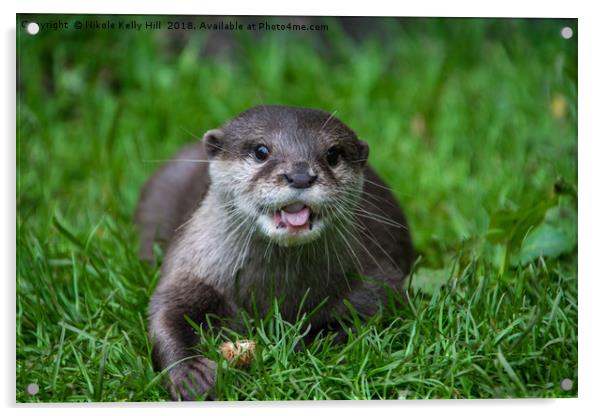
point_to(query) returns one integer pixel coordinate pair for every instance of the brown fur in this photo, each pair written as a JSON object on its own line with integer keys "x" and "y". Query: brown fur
{"x": 170, "y": 196}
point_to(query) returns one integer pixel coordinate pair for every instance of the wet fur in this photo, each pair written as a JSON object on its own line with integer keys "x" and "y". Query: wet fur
{"x": 215, "y": 267}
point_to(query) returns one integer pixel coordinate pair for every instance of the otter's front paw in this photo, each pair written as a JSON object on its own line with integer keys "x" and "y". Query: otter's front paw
{"x": 192, "y": 379}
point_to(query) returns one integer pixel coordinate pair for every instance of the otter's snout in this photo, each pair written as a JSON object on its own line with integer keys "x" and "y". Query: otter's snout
{"x": 300, "y": 176}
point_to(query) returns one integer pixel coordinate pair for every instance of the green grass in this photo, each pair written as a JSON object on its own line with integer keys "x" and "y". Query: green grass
{"x": 473, "y": 124}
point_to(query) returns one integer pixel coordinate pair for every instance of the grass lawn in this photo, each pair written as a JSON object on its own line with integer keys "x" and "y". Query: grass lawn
{"x": 472, "y": 123}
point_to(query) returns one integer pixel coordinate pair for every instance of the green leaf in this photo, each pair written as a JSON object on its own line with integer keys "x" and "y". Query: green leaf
{"x": 546, "y": 241}
{"x": 512, "y": 227}
{"x": 556, "y": 236}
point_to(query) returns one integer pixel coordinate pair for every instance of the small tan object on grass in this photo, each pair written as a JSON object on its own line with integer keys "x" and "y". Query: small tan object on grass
{"x": 239, "y": 354}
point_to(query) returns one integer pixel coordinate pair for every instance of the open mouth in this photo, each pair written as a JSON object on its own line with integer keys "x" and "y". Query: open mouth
{"x": 296, "y": 218}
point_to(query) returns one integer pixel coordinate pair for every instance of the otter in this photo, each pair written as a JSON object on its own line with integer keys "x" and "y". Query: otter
{"x": 278, "y": 203}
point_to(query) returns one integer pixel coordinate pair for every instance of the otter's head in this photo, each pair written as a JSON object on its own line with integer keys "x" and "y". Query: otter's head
{"x": 290, "y": 173}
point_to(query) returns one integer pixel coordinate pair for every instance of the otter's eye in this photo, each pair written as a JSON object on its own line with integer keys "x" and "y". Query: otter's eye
{"x": 261, "y": 152}
{"x": 332, "y": 155}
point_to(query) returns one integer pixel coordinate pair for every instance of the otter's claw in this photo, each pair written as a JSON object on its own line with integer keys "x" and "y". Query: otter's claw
{"x": 192, "y": 379}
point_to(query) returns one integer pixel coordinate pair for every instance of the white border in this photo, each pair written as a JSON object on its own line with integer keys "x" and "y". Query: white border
{"x": 508, "y": 8}
{"x": 590, "y": 134}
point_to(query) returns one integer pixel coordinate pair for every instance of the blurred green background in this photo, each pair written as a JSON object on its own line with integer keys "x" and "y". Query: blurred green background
{"x": 471, "y": 122}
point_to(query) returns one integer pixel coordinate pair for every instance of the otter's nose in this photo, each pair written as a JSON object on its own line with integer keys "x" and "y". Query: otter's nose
{"x": 300, "y": 178}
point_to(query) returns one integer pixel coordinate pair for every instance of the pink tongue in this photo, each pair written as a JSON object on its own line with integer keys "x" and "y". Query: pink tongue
{"x": 296, "y": 219}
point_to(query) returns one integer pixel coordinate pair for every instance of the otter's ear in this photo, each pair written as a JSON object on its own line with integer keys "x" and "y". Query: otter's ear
{"x": 363, "y": 151}
{"x": 213, "y": 140}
